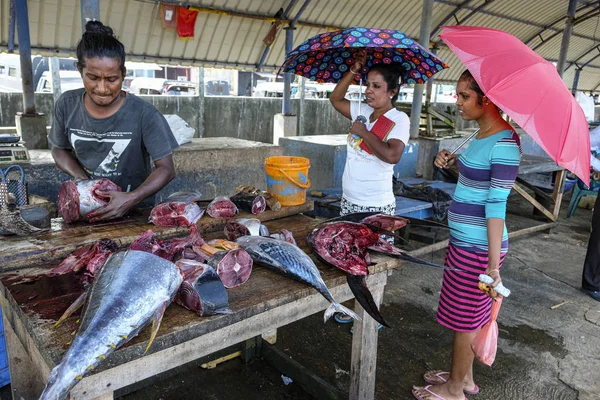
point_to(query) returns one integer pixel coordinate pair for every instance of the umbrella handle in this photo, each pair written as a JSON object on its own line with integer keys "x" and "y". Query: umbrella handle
{"x": 465, "y": 141}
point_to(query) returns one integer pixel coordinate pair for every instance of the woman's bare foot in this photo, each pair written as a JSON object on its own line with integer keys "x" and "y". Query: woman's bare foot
{"x": 439, "y": 377}
{"x": 435, "y": 392}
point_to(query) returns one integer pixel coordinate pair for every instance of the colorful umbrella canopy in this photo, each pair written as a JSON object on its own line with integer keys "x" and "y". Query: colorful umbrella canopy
{"x": 328, "y": 56}
{"x": 528, "y": 89}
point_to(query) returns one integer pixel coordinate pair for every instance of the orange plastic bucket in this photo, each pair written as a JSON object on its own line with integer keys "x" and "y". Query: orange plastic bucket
{"x": 287, "y": 179}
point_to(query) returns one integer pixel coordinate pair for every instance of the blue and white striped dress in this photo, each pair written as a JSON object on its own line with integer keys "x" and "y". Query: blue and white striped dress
{"x": 487, "y": 170}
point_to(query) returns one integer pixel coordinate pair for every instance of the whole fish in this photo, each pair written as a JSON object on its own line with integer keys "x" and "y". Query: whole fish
{"x": 131, "y": 290}
{"x": 291, "y": 261}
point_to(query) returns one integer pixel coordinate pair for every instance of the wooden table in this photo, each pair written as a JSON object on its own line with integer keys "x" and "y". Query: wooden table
{"x": 62, "y": 239}
{"x": 266, "y": 302}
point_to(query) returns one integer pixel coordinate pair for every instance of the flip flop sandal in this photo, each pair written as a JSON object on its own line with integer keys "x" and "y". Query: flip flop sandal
{"x": 434, "y": 377}
{"x": 417, "y": 389}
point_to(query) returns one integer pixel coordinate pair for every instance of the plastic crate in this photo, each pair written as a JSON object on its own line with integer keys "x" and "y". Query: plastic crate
{"x": 4, "y": 372}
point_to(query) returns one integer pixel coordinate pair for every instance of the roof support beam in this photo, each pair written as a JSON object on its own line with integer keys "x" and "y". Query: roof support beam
{"x": 25, "y": 56}
{"x": 463, "y": 5}
{"x": 289, "y": 41}
{"x": 586, "y": 53}
{"x": 285, "y": 15}
{"x": 576, "y": 80}
{"x": 90, "y": 10}
{"x": 519, "y": 20}
{"x": 550, "y": 26}
{"x": 11, "y": 26}
{"x": 576, "y": 21}
{"x": 566, "y": 39}
{"x": 415, "y": 113}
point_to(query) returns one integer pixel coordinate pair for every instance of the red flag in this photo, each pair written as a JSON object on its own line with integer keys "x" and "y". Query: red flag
{"x": 186, "y": 20}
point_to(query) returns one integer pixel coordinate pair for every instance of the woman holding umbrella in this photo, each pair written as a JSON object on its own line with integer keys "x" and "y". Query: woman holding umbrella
{"x": 375, "y": 145}
{"x": 478, "y": 240}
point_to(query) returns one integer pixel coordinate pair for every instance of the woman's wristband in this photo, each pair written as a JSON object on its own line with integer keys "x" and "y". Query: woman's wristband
{"x": 354, "y": 72}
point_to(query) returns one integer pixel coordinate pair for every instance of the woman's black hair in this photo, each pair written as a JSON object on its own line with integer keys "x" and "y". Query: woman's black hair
{"x": 391, "y": 76}
{"x": 473, "y": 85}
{"x": 99, "y": 41}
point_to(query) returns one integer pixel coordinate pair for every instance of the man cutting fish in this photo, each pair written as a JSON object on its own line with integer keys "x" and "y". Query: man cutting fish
{"x": 101, "y": 131}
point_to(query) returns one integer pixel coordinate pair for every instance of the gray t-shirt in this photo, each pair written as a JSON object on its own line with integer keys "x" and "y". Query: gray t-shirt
{"x": 120, "y": 147}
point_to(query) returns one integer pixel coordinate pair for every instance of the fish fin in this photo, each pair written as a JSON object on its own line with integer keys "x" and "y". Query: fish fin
{"x": 358, "y": 285}
{"x": 337, "y": 307}
{"x": 158, "y": 315}
{"x": 80, "y": 301}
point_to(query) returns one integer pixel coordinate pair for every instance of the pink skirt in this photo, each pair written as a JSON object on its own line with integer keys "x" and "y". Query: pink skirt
{"x": 463, "y": 307}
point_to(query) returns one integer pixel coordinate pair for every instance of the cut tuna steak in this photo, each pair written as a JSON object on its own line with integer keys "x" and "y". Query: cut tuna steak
{"x": 179, "y": 209}
{"x": 76, "y": 199}
{"x": 221, "y": 207}
{"x": 233, "y": 267}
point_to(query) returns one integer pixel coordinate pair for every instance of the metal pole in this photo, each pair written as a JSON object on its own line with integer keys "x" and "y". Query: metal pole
{"x": 289, "y": 41}
{"x": 11, "y": 26}
{"x": 301, "y": 106}
{"x": 287, "y": 78}
{"x": 415, "y": 114}
{"x": 90, "y": 9}
{"x": 25, "y": 53}
{"x": 564, "y": 46}
{"x": 576, "y": 80}
{"x": 283, "y": 16}
{"x": 429, "y": 129}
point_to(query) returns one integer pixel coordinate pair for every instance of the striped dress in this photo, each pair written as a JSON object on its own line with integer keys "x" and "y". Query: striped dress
{"x": 487, "y": 170}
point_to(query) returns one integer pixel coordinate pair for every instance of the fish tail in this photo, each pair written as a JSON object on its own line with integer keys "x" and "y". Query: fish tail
{"x": 361, "y": 292}
{"x": 336, "y": 307}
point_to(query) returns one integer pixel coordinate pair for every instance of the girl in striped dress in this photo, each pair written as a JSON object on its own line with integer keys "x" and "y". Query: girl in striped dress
{"x": 479, "y": 240}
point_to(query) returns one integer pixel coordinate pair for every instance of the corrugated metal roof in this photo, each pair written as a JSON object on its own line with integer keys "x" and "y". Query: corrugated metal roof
{"x": 232, "y": 34}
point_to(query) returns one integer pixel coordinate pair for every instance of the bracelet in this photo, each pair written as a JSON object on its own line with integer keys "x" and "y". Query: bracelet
{"x": 492, "y": 270}
{"x": 351, "y": 70}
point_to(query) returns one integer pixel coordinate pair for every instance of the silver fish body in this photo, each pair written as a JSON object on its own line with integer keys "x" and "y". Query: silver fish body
{"x": 132, "y": 290}
{"x": 291, "y": 261}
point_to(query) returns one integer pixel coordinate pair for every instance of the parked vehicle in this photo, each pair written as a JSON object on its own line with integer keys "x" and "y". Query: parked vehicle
{"x": 159, "y": 86}
{"x": 69, "y": 80}
{"x": 216, "y": 87}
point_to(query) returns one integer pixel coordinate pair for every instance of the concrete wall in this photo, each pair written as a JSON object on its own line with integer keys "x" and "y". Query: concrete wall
{"x": 11, "y": 103}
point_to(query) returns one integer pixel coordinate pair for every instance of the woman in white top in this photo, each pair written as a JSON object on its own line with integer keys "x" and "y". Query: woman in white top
{"x": 373, "y": 147}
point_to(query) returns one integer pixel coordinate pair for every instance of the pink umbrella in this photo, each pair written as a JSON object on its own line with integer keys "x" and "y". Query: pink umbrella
{"x": 528, "y": 89}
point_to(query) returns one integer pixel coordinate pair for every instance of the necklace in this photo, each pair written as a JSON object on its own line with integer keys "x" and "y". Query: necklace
{"x": 488, "y": 128}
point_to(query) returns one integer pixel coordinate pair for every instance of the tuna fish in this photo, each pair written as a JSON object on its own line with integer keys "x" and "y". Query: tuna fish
{"x": 179, "y": 209}
{"x": 345, "y": 245}
{"x": 221, "y": 207}
{"x": 132, "y": 290}
{"x": 89, "y": 258}
{"x": 291, "y": 261}
{"x": 252, "y": 203}
{"x": 76, "y": 199}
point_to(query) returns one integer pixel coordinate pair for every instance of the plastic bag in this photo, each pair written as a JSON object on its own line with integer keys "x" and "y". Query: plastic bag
{"x": 485, "y": 343}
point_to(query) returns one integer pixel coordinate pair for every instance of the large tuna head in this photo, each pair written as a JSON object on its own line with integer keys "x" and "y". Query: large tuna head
{"x": 343, "y": 245}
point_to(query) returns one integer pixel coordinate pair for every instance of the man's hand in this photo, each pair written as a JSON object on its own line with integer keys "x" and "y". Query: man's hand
{"x": 118, "y": 205}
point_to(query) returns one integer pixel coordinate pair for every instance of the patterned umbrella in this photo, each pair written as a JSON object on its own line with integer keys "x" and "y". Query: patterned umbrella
{"x": 327, "y": 56}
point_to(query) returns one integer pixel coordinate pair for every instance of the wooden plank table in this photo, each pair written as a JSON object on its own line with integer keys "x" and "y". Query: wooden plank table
{"x": 62, "y": 239}
{"x": 264, "y": 303}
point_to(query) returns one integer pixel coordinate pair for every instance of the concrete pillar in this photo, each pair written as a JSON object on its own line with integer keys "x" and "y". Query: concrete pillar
{"x": 284, "y": 126}
{"x": 415, "y": 114}
{"x": 32, "y": 129}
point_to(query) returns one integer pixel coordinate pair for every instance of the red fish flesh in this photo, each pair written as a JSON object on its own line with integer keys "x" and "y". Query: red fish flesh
{"x": 76, "y": 199}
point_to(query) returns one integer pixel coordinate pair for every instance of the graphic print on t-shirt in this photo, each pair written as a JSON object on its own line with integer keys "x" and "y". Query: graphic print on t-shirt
{"x": 101, "y": 156}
